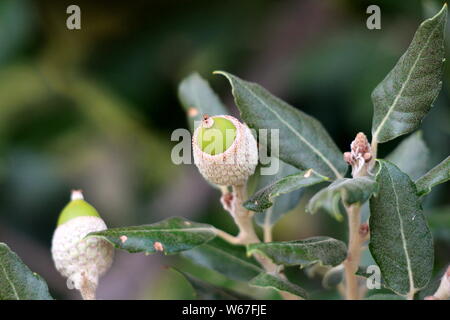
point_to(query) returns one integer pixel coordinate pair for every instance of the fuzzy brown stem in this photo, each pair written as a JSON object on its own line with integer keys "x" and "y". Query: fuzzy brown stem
{"x": 374, "y": 151}
{"x": 227, "y": 237}
{"x": 88, "y": 289}
{"x": 354, "y": 253}
{"x": 374, "y": 148}
{"x": 244, "y": 220}
{"x": 267, "y": 233}
{"x": 243, "y": 217}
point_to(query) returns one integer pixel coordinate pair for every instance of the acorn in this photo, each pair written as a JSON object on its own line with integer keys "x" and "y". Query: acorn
{"x": 225, "y": 150}
{"x": 443, "y": 291}
{"x": 81, "y": 260}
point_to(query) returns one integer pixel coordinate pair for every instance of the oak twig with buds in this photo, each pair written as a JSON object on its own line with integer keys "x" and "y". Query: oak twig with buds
{"x": 359, "y": 158}
{"x": 360, "y": 155}
{"x": 226, "y": 154}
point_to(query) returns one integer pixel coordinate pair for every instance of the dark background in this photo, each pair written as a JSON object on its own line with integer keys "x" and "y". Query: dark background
{"x": 94, "y": 109}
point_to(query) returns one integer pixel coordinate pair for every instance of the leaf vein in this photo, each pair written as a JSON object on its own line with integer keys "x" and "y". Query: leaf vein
{"x": 10, "y": 283}
{"x": 402, "y": 233}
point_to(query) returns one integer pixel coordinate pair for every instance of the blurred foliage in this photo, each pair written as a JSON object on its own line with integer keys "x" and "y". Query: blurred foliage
{"x": 94, "y": 109}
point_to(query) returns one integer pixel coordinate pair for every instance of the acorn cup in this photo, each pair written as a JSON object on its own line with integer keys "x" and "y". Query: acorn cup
{"x": 225, "y": 150}
{"x": 81, "y": 260}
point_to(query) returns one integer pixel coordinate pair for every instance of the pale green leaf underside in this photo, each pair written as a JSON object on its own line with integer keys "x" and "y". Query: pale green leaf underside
{"x": 263, "y": 198}
{"x": 400, "y": 240}
{"x": 350, "y": 191}
{"x": 17, "y": 281}
{"x": 405, "y": 96}
{"x": 284, "y": 202}
{"x": 173, "y": 234}
{"x": 323, "y": 250}
{"x": 304, "y": 143}
{"x": 207, "y": 291}
{"x": 385, "y": 297}
{"x": 439, "y": 222}
{"x": 226, "y": 259}
{"x": 411, "y": 156}
{"x": 266, "y": 280}
{"x": 333, "y": 277}
{"x": 197, "y": 99}
{"x": 437, "y": 175}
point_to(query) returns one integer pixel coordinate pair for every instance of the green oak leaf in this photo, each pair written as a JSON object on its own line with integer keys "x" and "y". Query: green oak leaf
{"x": 400, "y": 240}
{"x": 385, "y": 296}
{"x": 437, "y": 175}
{"x": 284, "y": 202}
{"x": 197, "y": 99}
{"x": 439, "y": 221}
{"x": 226, "y": 259}
{"x": 349, "y": 190}
{"x": 267, "y": 280}
{"x": 263, "y": 199}
{"x": 323, "y": 250}
{"x": 411, "y": 155}
{"x": 171, "y": 235}
{"x": 405, "y": 96}
{"x": 304, "y": 143}
{"x": 333, "y": 277}
{"x": 207, "y": 291}
{"x": 17, "y": 281}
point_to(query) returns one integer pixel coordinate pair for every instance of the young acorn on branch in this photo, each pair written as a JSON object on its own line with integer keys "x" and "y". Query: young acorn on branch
{"x": 225, "y": 150}
{"x": 226, "y": 154}
{"x": 81, "y": 260}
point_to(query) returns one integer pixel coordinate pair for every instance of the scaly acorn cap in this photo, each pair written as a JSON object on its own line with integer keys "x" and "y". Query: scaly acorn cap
{"x": 225, "y": 150}
{"x": 81, "y": 260}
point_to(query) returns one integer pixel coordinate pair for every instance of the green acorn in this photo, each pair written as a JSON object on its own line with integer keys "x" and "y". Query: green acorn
{"x": 216, "y": 135}
{"x": 81, "y": 260}
{"x": 77, "y": 207}
{"x": 225, "y": 150}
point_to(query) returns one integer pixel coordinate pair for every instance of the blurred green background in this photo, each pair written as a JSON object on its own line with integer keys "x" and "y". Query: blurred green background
{"x": 95, "y": 108}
